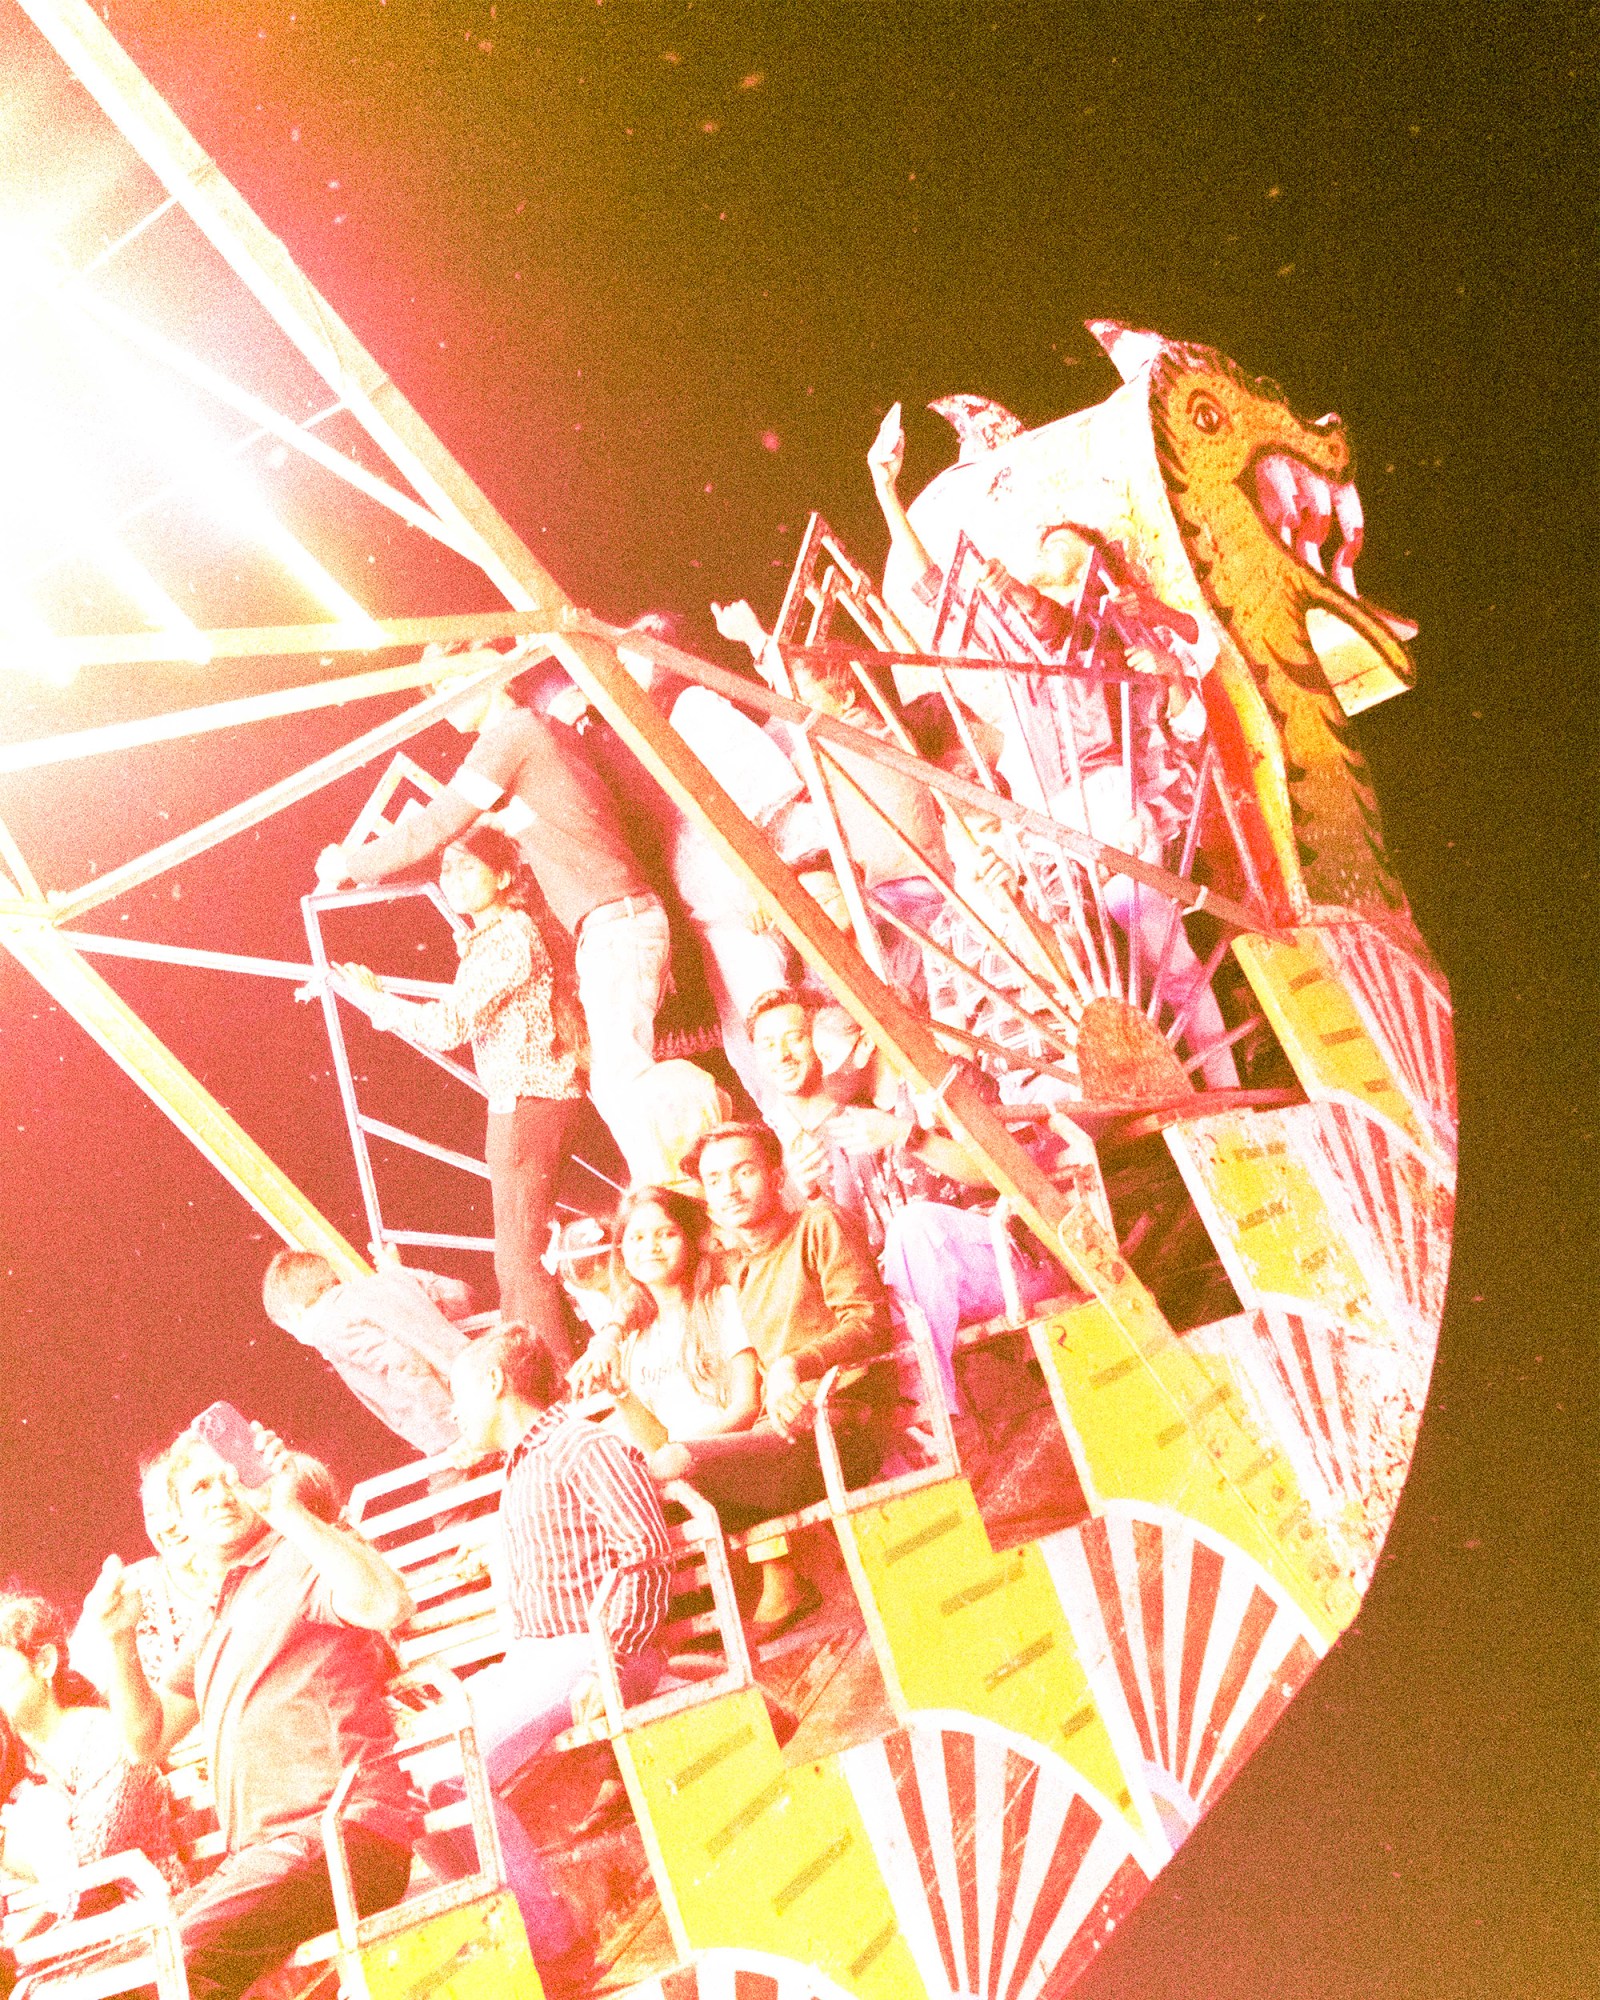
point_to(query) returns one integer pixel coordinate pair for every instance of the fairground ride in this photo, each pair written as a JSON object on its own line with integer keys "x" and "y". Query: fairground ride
{"x": 1051, "y": 1643}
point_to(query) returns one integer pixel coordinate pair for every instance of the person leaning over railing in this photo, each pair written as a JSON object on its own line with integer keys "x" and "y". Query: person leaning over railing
{"x": 287, "y": 1683}
{"x": 70, "y": 1792}
{"x": 532, "y": 772}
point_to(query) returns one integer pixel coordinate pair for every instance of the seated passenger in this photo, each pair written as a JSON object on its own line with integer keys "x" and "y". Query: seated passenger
{"x": 176, "y": 1595}
{"x": 287, "y": 1683}
{"x": 578, "y": 1506}
{"x": 676, "y": 1353}
{"x": 507, "y": 1002}
{"x": 70, "y": 1793}
{"x": 922, "y": 1198}
{"x": 811, "y": 1300}
{"x": 386, "y": 1333}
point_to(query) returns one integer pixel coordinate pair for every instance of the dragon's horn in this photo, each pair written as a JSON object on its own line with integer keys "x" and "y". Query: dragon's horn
{"x": 1131, "y": 352}
{"x": 981, "y": 425}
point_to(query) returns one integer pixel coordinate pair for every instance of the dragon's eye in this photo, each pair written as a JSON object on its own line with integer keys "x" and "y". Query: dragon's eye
{"x": 1207, "y": 415}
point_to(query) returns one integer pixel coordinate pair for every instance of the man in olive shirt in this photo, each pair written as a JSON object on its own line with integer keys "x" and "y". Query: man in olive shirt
{"x": 811, "y": 1300}
{"x": 287, "y": 1683}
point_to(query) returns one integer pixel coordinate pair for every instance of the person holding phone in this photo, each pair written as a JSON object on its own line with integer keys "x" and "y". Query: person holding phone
{"x": 287, "y": 1682}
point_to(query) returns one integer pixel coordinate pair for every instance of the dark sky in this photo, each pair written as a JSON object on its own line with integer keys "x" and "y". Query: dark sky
{"x": 654, "y": 272}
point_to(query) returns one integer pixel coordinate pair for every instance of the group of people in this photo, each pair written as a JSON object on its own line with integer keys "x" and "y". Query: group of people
{"x": 749, "y": 1260}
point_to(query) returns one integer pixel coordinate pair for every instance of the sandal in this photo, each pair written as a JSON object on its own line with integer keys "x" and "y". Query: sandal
{"x": 764, "y": 1631}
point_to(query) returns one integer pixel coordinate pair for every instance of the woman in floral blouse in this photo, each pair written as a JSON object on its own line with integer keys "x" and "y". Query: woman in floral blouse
{"x": 69, "y": 1791}
{"x": 526, "y": 1034}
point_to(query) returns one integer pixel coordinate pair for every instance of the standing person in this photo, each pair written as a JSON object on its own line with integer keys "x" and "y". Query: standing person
{"x": 506, "y": 1003}
{"x": 384, "y": 1332}
{"x": 287, "y": 1684}
{"x": 677, "y": 1354}
{"x": 577, "y": 1508}
{"x": 811, "y": 1299}
{"x": 569, "y": 827}
{"x": 70, "y": 1794}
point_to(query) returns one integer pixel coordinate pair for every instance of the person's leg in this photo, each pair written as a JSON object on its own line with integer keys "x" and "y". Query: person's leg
{"x": 622, "y": 963}
{"x": 268, "y": 1898}
{"x": 524, "y": 1150}
{"x": 518, "y": 1707}
{"x": 941, "y": 1260}
{"x": 740, "y": 966}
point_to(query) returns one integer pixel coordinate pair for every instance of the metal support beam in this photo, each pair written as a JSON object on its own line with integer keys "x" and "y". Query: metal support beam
{"x": 287, "y": 792}
{"x": 82, "y": 993}
{"x": 136, "y": 108}
{"x": 256, "y": 642}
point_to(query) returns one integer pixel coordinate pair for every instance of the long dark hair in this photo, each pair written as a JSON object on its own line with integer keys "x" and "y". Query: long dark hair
{"x": 501, "y": 854}
{"x": 637, "y": 1307}
{"x": 27, "y": 1625}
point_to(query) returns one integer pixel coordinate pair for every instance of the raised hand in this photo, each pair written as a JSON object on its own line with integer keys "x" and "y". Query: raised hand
{"x": 887, "y": 453}
{"x": 113, "y": 1605}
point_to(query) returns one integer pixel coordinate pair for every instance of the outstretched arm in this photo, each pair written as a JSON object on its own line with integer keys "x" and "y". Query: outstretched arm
{"x": 884, "y": 460}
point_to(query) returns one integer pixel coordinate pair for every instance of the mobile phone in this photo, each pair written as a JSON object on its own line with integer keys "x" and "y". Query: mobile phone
{"x": 228, "y": 1435}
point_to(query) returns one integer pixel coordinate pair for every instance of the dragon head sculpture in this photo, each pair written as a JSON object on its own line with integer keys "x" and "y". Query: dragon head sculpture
{"x": 1271, "y": 521}
{"x": 1236, "y": 511}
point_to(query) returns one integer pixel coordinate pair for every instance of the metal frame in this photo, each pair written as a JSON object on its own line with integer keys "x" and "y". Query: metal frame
{"x": 588, "y": 650}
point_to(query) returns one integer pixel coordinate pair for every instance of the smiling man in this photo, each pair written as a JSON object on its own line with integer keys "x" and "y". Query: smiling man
{"x": 811, "y": 1300}
{"x": 287, "y": 1684}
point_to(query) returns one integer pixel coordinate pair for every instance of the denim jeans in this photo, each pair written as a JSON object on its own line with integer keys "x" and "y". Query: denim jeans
{"x": 944, "y": 1261}
{"x": 622, "y": 956}
{"x": 519, "y": 1706}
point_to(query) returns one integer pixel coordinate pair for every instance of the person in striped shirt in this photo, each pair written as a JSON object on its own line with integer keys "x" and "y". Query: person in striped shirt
{"x": 578, "y": 1514}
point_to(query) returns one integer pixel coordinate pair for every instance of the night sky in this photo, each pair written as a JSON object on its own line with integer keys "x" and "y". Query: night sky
{"x": 654, "y": 272}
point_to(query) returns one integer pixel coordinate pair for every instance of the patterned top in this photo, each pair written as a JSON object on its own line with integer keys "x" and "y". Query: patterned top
{"x": 579, "y": 1504}
{"x": 97, "y": 1802}
{"x": 501, "y": 1003}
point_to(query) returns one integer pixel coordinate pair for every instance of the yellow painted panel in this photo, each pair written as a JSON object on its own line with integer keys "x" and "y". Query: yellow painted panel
{"x": 1269, "y": 1221}
{"x": 764, "y": 1857}
{"x": 479, "y": 1952}
{"x": 1322, "y": 1033}
{"x": 968, "y": 1629}
{"x": 1166, "y": 1426}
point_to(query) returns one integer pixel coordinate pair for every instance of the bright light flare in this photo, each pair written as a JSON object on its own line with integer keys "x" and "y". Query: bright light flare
{"x": 82, "y": 418}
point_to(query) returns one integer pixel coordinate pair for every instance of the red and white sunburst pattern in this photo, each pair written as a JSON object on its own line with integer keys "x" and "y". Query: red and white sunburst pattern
{"x": 1408, "y": 1014}
{"x": 738, "y": 1975}
{"x": 1195, "y": 1645}
{"x": 1398, "y": 1205}
{"x": 1343, "y": 1407}
{"x": 1006, "y": 1876}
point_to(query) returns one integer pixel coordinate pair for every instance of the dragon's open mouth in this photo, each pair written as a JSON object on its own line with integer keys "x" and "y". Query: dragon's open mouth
{"x": 1304, "y": 510}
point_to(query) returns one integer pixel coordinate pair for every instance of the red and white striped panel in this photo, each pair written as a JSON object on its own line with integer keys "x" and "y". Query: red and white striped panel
{"x": 1400, "y": 1205}
{"x": 1196, "y": 1646}
{"x": 1342, "y": 1407}
{"x": 1408, "y": 1014}
{"x": 1005, "y": 1876}
{"x": 737, "y": 1975}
